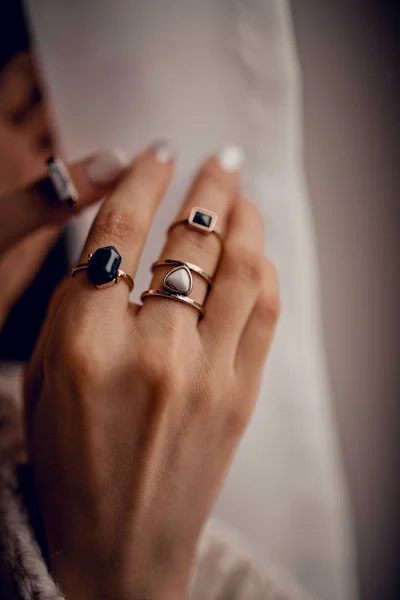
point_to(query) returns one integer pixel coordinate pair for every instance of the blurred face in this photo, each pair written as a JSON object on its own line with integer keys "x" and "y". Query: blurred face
{"x": 25, "y": 139}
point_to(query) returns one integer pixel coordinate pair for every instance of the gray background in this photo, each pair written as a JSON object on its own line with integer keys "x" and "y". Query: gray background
{"x": 348, "y": 52}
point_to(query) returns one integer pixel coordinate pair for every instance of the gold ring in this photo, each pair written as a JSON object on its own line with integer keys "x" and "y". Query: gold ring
{"x": 172, "y": 296}
{"x": 200, "y": 219}
{"x": 179, "y": 263}
{"x": 103, "y": 269}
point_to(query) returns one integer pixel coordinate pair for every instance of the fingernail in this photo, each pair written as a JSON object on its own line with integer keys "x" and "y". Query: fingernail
{"x": 231, "y": 157}
{"x": 163, "y": 151}
{"x": 106, "y": 166}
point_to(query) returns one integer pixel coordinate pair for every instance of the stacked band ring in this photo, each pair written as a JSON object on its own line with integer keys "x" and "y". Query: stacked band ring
{"x": 178, "y": 282}
{"x": 103, "y": 269}
{"x": 179, "y": 265}
{"x": 173, "y": 296}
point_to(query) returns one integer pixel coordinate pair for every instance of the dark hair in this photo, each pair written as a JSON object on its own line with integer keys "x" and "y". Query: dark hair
{"x": 14, "y": 35}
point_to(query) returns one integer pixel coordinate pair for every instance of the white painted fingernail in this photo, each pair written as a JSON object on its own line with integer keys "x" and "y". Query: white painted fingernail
{"x": 106, "y": 166}
{"x": 231, "y": 157}
{"x": 163, "y": 151}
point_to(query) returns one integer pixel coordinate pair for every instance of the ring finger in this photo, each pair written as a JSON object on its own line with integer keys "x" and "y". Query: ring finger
{"x": 214, "y": 190}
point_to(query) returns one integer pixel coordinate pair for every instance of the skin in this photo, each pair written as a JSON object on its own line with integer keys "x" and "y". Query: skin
{"x": 136, "y": 411}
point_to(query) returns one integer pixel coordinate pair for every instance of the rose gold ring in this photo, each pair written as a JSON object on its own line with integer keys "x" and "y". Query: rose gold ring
{"x": 102, "y": 268}
{"x": 173, "y": 296}
{"x": 202, "y": 220}
{"x": 180, "y": 265}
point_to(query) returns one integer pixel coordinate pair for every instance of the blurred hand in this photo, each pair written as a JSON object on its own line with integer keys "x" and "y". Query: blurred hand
{"x": 29, "y": 223}
{"x": 19, "y": 265}
{"x": 134, "y": 412}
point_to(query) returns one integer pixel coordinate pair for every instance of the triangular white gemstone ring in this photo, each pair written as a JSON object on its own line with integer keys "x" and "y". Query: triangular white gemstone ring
{"x": 179, "y": 280}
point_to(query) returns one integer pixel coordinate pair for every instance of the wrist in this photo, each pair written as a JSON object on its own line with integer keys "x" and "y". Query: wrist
{"x": 107, "y": 582}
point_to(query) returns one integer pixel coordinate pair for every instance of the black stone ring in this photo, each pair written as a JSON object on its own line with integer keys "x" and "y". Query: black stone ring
{"x": 103, "y": 268}
{"x": 202, "y": 220}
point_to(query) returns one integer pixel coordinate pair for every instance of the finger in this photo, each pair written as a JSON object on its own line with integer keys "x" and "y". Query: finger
{"x": 25, "y": 210}
{"x": 257, "y": 335}
{"x": 20, "y": 264}
{"x": 34, "y": 374}
{"x": 125, "y": 217}
{"x": 214, "y": 189}
{"x": 238, "y": 279}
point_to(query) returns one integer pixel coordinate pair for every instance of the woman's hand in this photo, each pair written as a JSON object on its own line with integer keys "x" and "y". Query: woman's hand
{"x": 31, "y": 221}
{"x": 134, "y": 412}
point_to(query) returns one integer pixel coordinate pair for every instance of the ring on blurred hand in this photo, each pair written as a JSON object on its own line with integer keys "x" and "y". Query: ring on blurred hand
{"x": 200, "y": 219}
{"x": 103, "y": 269}
{"x": 179, "y": 278}
{"x": 60, "y": 182}
{"x": 173, "y": 296}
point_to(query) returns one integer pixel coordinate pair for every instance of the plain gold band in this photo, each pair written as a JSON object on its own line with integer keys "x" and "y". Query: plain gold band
{"x": 171, "y": 296}
{"x": 194, "y": 228}
{"x": 179, "y": 263}
{"x": 120, "y": 275}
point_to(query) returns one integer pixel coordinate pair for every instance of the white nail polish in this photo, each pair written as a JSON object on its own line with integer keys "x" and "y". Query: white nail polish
{"x": 163, "y": 151}
{"x": 106, "y": 166}
{"x": 231, "y": 157}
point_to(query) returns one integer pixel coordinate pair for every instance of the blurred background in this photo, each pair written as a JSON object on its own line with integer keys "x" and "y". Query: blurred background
{"x": 349, "y": 56}
{"x": 349, "y": 53}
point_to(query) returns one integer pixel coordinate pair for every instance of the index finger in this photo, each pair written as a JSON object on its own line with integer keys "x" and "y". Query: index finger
{"x": 124, "y": 220}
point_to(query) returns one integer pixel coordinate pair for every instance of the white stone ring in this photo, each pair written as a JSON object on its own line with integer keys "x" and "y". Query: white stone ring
{"x": 178, "y": 282}
{"x": 179, "y": 279}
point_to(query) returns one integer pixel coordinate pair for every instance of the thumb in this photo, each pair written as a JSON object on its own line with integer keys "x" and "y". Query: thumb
{"x": 19, "y": 265}
{"x": 25, "y": 210}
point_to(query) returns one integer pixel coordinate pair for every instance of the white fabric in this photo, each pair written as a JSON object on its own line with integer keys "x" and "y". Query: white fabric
{"x": 201, "y": 74}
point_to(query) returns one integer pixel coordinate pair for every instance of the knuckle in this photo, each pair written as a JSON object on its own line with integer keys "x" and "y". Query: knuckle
{"x": 195, "y": 243}
{"x": 159, "y": 367}
{"x": 79, "y": 359}
{"x": 270, "y": 301}
{"x": 268, "y": 309}
{"x": 118, "y": 226}
{"x": 246, "y": 264}
{"x": 235, "y": 419}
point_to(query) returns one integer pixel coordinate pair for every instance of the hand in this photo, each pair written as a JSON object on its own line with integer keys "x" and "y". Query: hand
{"x": 29, "y": 224}
{"x": 134, "y": 412}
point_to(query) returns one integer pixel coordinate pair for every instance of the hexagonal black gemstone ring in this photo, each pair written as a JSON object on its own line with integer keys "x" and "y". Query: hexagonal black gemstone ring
{"x": 103, "y": 265}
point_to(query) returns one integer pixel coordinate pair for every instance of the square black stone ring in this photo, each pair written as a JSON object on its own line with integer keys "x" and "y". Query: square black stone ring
{"x": 103, "y": 269}
{"x": 200, "y": 219}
